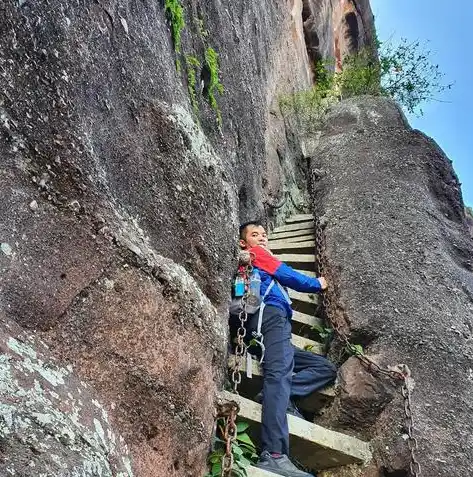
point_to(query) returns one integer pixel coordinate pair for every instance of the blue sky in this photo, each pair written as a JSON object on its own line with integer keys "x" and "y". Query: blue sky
{"x": 447, "y": 31}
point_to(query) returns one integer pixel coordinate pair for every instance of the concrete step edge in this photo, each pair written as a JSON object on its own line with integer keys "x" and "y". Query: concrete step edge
{"x": 304, "y": 343}
{"x": 299, "y": 218}
{"x": 306, "y": 319}
{"x": 296, "y": 257}
{"x": 297, "y": 226}
{"x": 313, "y": 445}
{"x": 304, "y": 297}
{"x": 290, "y": 234}
{"x": 252, "y": 471}
{"x": 287, "y": 245}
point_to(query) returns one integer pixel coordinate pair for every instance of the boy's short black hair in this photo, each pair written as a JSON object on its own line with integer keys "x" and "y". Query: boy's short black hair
{"x": 256, "y": 223}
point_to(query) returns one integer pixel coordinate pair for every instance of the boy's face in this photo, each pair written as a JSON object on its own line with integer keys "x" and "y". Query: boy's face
{"x": 254, "y": 235}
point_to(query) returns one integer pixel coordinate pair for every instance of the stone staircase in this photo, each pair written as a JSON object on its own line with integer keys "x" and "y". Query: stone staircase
{"x": 313, "y": 446}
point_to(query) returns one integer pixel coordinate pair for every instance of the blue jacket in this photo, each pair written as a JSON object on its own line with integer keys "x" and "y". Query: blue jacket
{"x": 270, "y": 267}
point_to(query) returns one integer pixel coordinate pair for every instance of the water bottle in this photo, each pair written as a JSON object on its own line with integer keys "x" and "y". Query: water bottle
{"x": 239, "y": 286}
{"x": 255, "y": 288}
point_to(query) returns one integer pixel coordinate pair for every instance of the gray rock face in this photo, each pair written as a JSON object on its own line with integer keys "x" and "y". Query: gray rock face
{"x": 50, "y": 422}
{"x": 400, "y": 256}
{"x": 120, "y": 203}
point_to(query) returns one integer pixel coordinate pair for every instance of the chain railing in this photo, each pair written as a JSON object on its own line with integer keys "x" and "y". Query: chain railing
{"x": 403, "y": 376}
{"x": 229, "y": 411}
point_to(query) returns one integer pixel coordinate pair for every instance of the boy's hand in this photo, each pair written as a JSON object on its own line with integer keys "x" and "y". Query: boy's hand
{"x": 323, "y": 282}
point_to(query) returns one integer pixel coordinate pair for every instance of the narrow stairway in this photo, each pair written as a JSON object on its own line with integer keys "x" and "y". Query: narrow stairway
{"x": 313, "y": 446}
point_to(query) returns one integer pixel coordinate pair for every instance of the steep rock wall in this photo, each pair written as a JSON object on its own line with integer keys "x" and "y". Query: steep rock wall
{"x": 400, "y": 256}
{"x": 120, "y": 204}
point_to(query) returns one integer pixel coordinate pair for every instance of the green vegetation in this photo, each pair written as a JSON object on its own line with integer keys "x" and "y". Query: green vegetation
{"x": 203, "y": 32}
{"x": 192, "y": 64}
{"x": 324, "y": 334}
{"x": 309, "y": 107}
{"x": 469, "y": 212}
{"x": 175, "y": 14}
{"x": 404, "y": 73}
{"x": 355, "y": 349}
{"x": 214, "y": 86}
{"x": 243, "y": 450}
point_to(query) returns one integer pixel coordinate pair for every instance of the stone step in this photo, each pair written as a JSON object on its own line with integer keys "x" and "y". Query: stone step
{"x": 313, "y": 446}
{"x": 296, "y": 257}
{"x": 299, "y": 218}
{"x": 304, "y": 343}
{"x": 286, "y": 246}
{"x": 297, "y": 226}
{"x": 306, "y": 319}
{"x": 309, "y": 273}
{"x": 304, "y": 303}
{"x": 300, "y": 261}
{"x": 302, "y": 238}
{"x": 293, "y": 235}
{"x": 252, "y": 471}
{"x": 310, "y": 298}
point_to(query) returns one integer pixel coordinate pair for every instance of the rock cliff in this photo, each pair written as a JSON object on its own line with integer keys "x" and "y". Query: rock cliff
{"x": 122, "y": 187}
{"x": 400, "y": 252}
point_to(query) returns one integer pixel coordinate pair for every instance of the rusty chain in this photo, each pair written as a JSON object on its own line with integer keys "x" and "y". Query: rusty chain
{"x": 404, "y": 376}
{"x": 229, "y": 411}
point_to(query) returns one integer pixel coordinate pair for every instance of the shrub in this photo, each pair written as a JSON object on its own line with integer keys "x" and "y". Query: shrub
{"x": 404, "y": 73}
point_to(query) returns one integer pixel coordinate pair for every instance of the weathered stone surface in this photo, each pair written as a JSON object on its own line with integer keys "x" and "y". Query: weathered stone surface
{"x": 151, "y": 345}
{"x": 119, "y": 209}
{"x": 360, "y": 399}
{"x": 51, "y": 423}
{"x": 400, "y": 254}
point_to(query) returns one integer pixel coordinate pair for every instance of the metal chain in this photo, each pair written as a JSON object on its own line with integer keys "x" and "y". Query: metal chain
{"x": 230, "y": 429}
{"x": 409, "y": 423}
{"x": 229, "y": 412}
{"x": 373, "y": 368}
{"x": 240, "y": 348}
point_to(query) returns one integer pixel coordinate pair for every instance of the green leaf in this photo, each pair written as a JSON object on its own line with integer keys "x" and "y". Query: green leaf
{"x": 217, "y": 468}
{"x": 242, "y": 426}
{"x": 244, "y": 437}
{"x": 245, "y": 462}
{"x": 237, "y": 450}
{"x": 355, "y": 349}
{"x": 216, "y": 456}
{"x": 239, "y": 472}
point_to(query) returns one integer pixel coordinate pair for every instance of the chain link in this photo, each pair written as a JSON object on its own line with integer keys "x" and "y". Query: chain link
{"x": 409, "y": 423}
{"x": 231, "y": 409}
{"x": 228, "y": 411}
{"x": 240, "y": 348}
{"x": 404, "y": 376}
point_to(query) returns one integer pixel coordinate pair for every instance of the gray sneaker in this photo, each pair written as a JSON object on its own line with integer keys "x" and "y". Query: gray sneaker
{"x": 280, "y": 465}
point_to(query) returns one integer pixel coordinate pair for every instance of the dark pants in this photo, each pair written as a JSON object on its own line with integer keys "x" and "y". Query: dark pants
{"x": 281, "y": 360}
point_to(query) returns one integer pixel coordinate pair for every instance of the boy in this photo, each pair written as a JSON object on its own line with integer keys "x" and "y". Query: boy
{"x": 281, "y": 359}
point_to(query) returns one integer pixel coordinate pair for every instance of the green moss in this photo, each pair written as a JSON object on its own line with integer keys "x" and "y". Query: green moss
{"x": 175, "y": 14}
{"x": 203, "y": 32}
{"x": 192, "y": 64}
{"x": 214, "y": 86}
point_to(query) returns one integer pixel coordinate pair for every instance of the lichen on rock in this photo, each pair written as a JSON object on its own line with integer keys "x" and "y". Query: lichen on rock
{"x": 50, "y": 423}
